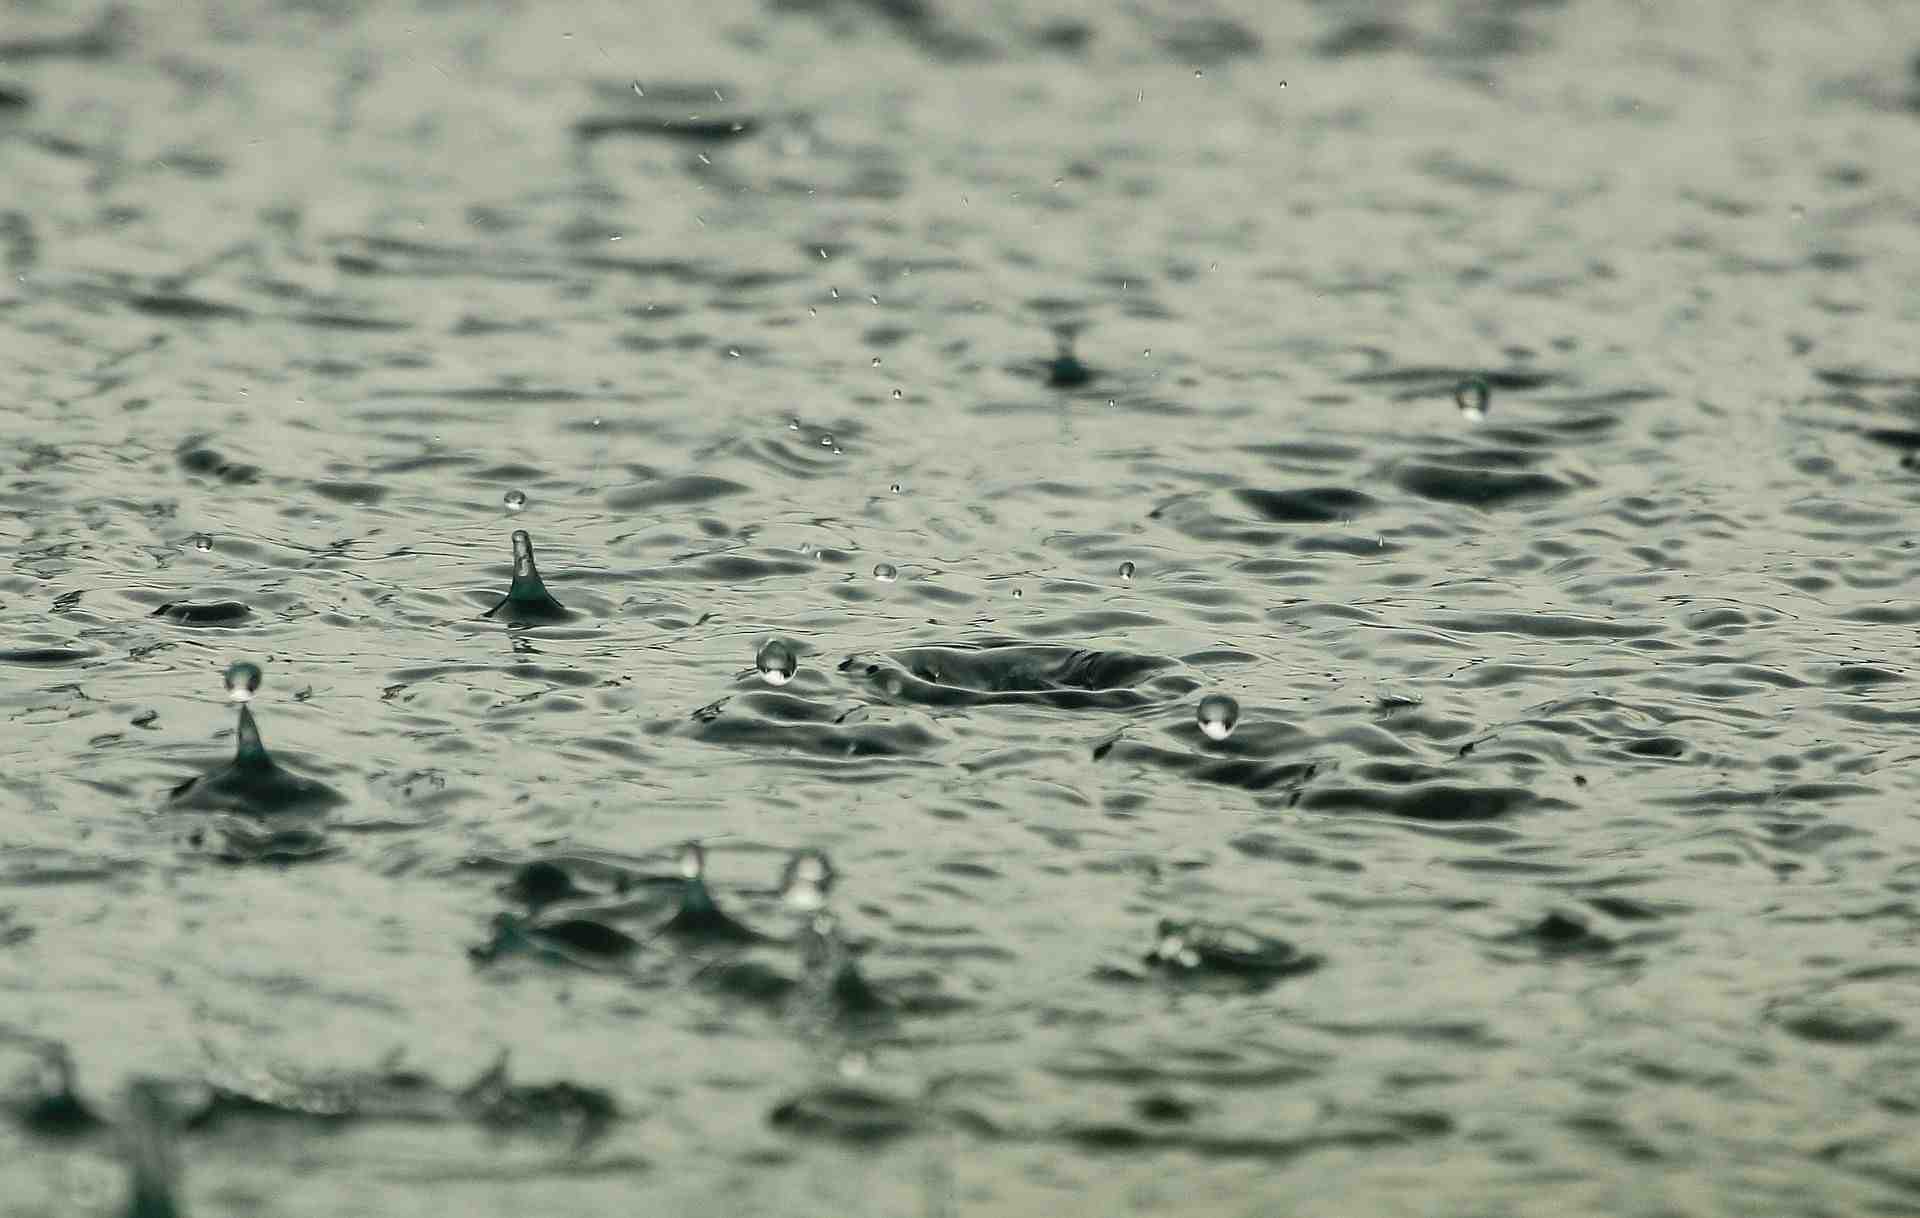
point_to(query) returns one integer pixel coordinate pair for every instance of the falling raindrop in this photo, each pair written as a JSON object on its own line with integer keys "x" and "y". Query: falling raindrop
{"x": 1017, "y": 594}
{"x": 896, "y": 395}
{"x": 835, "y": 292}
{"x": 515, "y": 500}
{"x": 885, "y": 572}
{"x": 807, "y": 880}
{"x": 1126, "y": 571}
{"x": 876, "y": 361}
{"x": 242, "y": 681}
{"x": 1217, "y": 716}
{"x": 777, "y": 662}
{"x": 202, "y": 542}
{"x": 1472, "y": 395}
{"x": 793, "y": 424}
{"x": 873, "y": 299}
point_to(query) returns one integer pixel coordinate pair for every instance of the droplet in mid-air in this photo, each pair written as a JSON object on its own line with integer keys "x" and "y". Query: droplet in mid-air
{"x": 826, "y": 440}
{"x": 807, "y": 881}
{"x": 793, "y": 424}
{"x": 885, "y": 572}
{"x": 777, "y": 662}
{"x": 243, "y": 681}
{"x": 515, "y": 500}
{"x": 876, "y": 361}
{"x": 1471, "y": 396}
{"x": 1217, "y": 716}
{"x": 896, "y": 395}
{"x": 1126, "y": 571}
{"x": 895, "y": 488}
{"x": 202, "y": 542}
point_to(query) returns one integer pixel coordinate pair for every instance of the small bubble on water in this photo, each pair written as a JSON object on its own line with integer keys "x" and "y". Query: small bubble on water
{"x": 1126, "y": 571}
{"x": 895, "y": 488}
{"x": 1471, "y": 396}
{"x": 807, "y": 880}
{"x": 242, "y": 681}
{"x": 202, "y": 542}
{"x": 896, "y": 395}
{"x": 734, "y": 352}
{"x": 826, "y": 441}
{"x": 515, "y": 501}
{"x": 1197, "y": 73}
{"x": 812, "y": 312}
{"x": 793, "y": 424}
{"x": 885, "y": 572}
{"x": 876, "y": 361}
{"x": 1017, "y": 594}
{"x": 1217, "y": 716}
{"x": 777, "y": 662}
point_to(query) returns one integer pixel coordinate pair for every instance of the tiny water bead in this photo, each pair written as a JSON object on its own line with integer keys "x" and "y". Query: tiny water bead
{"x": 885, "y": 572}
{"x": 895, "y": 488}
{"x": 826, "y": 440}
{"x": 692, "y": 862}
{"x": 1472, "y": 396}
{"x": 807, "y": 880}
{"x": 896, "y": 395}
{"x": 1217, "y": 716}
{"x": 242, "y": 680}
{"x": 202, "y": 542}
{"x": 1126, "y": 571}
{"x": 515, "y": 501}
{"x": 777, "y": 662}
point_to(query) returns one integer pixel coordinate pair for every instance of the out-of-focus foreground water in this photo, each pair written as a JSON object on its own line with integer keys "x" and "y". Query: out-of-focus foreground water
{"x": 1571, "y": 793}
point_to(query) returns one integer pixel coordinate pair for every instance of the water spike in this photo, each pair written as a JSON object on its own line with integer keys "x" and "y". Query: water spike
{"x": 250, "y": 753}
{"x": 153, "y": 1166}
{"x": 528, "y": 600}
{"x": 698, "y": 916}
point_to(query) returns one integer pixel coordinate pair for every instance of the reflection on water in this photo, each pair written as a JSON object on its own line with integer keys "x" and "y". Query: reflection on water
{"x": 1334, "y": 581}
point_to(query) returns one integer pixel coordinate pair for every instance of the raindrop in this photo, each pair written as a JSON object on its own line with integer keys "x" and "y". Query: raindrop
{"x": 776, "y": 662}
{"x": 1197, "y": 73}
{"x": 835, "y": 292}
{"x": 873, "y": 299}
{"x": 1471, "y": 396}
{"x": 734, "y": 352}
{"x": 693, "y": 861}
{"x": 793, "y": 424}
{"x": 885, "y": 572}
{"x": 515, "y": 500}
{"x": 807, "y": 881}
{"x": 1147, "y": 353}
{"x": 1017, "y": 594}
{"x": 823, "y": 255}
{"x": 242, "y": 680}
{"x": 876, "y": 361}
{"x": 1126, "y": 571}
{"x": 202, "y": 542}
{"x": 812, "y": 312}
{"x": 1217, "y": 716}
{"x": 638, "y": 90}
{"x": 826, "y": 441}
{"x": 895, "y": 488}
{"x": 896, "y": 395}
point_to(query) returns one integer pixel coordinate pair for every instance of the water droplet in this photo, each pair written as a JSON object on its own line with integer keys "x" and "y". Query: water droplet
{"x": 826, "y": 440}
{"x": 734, "y": 352}
{"x": 242, "y": 680}
{"x": 873, "y": 299}
{"x": 823, "y": 255}
{"x": 776, "y": 662}
{"x": 793, "y": 424}
{"x": 896, "y": 395}
{"x": 895, "y": 488}
{"x": 1197, "y": 73}
{"x": 1147, "y": 353}
{"x": 1126, "y": 571}
{"x": 885, "y": 572}
{"x": 1017, "y": 594}
{"x": 807, "y": 880}
{"x": 202, "y": 542}
{"x": 835, "y": 292}
{"x": 1217, "y": 716}
{"x": 692, "y": 862}
{"x": 638, "y": 90}
{"x": 1471, "y": 395}
{"x": 812, "y": 312}
{"x": 876, "y": 361}
{"x": 515, "y": 500}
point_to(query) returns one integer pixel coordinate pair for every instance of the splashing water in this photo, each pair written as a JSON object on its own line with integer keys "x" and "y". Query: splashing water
{"x": 1217, "y": 715}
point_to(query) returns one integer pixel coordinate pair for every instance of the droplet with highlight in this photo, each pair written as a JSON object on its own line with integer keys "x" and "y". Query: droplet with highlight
{"x": 777, "y": 662}
{"x": 1217, "y": 716}
{"x": 807, "y": 881}
{"x": 885, "y": 572}
{"x": 1472, "y": 396}
{"x": 1126, "y": 571}
{"x": 242, "y": 681}
{"x": 692, "y": 863}
{"x": 515, "y": 501}
{"x": 202, "y": 542}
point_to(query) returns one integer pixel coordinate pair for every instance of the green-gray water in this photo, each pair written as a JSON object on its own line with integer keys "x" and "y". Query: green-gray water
{"x": 1025, "y": 374}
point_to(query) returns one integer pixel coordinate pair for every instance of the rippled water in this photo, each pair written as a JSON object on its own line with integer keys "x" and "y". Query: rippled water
{"x": 1561, "y": 854}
